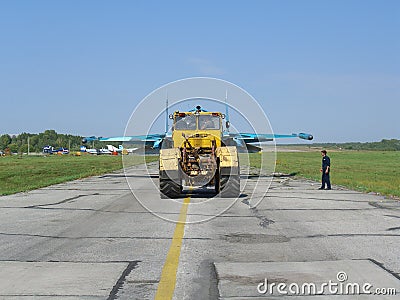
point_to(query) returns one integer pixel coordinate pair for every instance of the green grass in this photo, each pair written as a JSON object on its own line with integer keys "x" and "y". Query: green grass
{"x": 366, "y": 171}
{"x": 19, "y": 174}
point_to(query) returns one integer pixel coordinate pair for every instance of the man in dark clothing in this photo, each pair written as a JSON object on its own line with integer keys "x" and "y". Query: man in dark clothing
{"x": 326, "y": 167}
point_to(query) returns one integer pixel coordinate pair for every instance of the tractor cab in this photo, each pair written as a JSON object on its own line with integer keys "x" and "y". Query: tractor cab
{"x": 198, "y": 128}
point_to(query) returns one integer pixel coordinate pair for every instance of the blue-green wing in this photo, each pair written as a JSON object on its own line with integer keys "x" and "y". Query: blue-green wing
{"x": 266, "y": 137}
{"x": 151, "y": 139}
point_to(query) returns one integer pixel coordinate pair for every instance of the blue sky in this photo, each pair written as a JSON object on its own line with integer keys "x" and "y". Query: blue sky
{"x": 331, "y": 68}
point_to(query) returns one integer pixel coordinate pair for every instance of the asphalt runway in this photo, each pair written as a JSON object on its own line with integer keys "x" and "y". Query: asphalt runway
{"x": 93, "y": 239}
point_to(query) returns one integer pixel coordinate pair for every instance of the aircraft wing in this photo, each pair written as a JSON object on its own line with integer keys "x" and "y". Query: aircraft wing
{"x": 245, "y": 141}
{"x": 150, "y": 139}
{"x": 258, "y": 138}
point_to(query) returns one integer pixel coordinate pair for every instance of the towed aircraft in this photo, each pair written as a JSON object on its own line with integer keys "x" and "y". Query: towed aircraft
{"x": 245, "y": 142}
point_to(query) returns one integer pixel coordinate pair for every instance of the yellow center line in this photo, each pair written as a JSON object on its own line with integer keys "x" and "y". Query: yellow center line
{"x": 166, "y": 286}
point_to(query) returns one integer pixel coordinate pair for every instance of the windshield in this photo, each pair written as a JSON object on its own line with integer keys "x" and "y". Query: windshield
{"x": 208, "y": 122}
{"x": 186, "y": 123}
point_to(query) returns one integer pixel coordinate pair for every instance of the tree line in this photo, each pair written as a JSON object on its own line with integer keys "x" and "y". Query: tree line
{"x": 19, "y": 143}
{"x": 383, "y": 145}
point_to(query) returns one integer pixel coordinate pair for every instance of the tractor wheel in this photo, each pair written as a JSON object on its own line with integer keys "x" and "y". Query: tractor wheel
{"x": 230, "y": 186}
{"x": 169, "y": 189}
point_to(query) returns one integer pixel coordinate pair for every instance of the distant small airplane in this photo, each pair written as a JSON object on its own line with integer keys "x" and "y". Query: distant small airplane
{"x": 110, "y": 150}
{"x": 104, "y": 151}
{"x": 51, "y": 150}
{"x": 121, "y": 149}
{"x": 90, "y": 151}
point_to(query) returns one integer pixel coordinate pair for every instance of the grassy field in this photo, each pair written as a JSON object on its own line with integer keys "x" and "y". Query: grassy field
{"x": 366, "y": 171}
{"x": 19, "y": 174}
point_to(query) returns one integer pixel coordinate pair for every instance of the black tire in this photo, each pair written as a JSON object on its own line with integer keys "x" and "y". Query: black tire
{"x": 169, "y": 189}
{"x": 217, "y": 182}
{"x": 230, "y": 186}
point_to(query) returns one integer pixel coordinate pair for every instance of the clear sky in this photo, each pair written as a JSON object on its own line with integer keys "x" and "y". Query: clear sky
{"x": 331, "y": 68}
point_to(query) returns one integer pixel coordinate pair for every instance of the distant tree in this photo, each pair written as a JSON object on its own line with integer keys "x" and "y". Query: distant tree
{"x": 5, "y": 140}
{"x": 13, "y": 147}
{"x": 23, "y": 148}
{"x": 60, "y": 141}
{"x": 38, "y": 141}
{"x": 33, "y": 142}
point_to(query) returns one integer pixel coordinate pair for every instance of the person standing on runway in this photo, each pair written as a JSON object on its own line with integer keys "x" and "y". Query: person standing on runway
{"x": 326, "y": 168}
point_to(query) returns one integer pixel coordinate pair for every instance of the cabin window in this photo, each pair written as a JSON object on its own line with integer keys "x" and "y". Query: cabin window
{"x": 187, "y": 122}
{"x": 209, "y": 122}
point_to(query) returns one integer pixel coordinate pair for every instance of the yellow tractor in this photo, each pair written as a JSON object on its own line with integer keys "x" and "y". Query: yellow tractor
{"x": 196, "y": 155}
